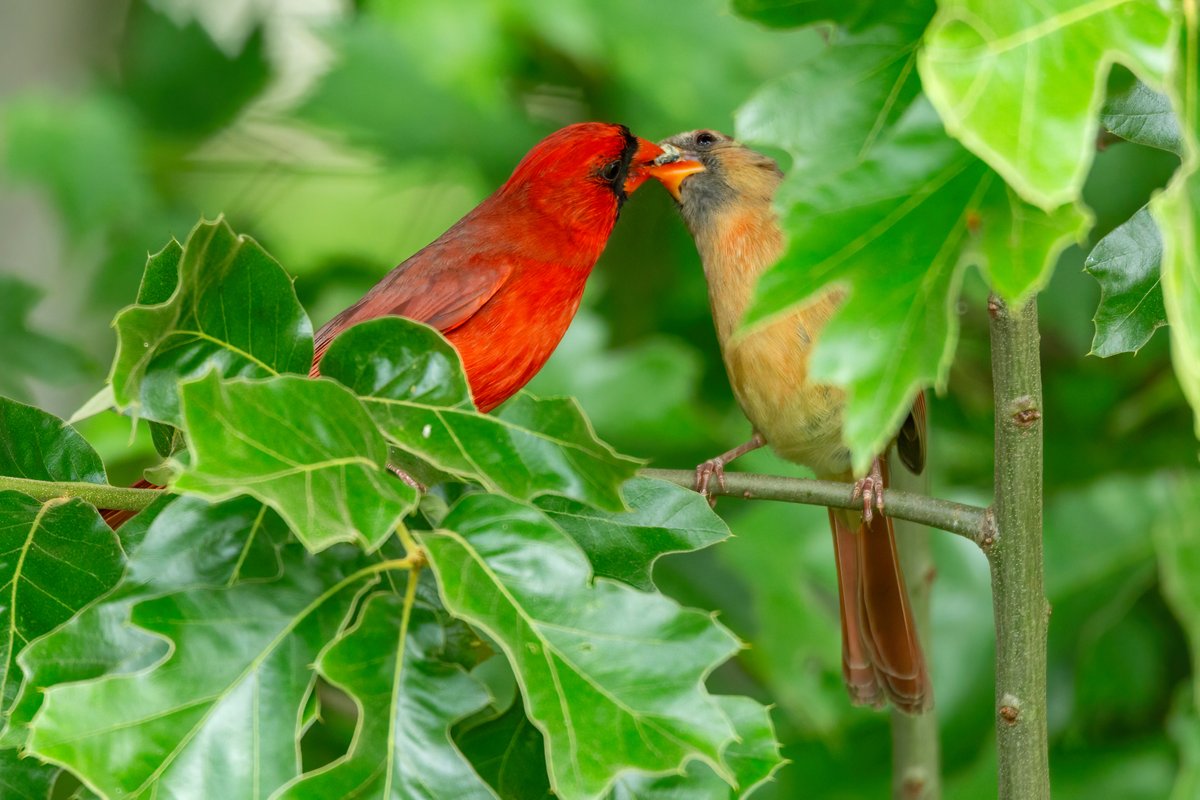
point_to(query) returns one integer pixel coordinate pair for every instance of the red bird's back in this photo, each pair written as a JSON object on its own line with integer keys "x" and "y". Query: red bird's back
{"x": 504, "y": 283}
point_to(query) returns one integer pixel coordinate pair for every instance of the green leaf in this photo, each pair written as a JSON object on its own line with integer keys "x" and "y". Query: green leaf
{"x": 410, "y": 380}
{"x": 162, "y": 62}
{"x": 1021, "y": 84}
{"x": 595, "y": 660}
{"x": 230, "y": 722}
{"x": 663, "y": 518}
{"x": 407, "y": 701}
{"x": 25, "y": 778}
{"x": 921, "y": 204}
{"x": 1177, "y": 541}
{"x": 1184, "y": 726}
{"x": 84, "y": 151}
{"x": 55, "y": 558}
{"x": 1176, "y": 210}
{"x": 831, "y": 110}
{"x": 1144, "y": 116}
{"x": 232, "y": 307}
{"x": 186, "y": 543}
{"x": 1128, "y": 265}
{"x": 796, "y": 13}
{"x": 509, "y": 753}
{"x": 304, "y": 447}
{"x": 454, "y": 88}
{"x": 752, "y": 758}
{"x": 37, "y": 445}
{"x": 25, "y": 352}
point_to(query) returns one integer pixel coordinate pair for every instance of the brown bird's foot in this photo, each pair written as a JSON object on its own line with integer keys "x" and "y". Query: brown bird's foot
{"x": 408, "y": 479}
{"x": 715, "y": 467}
{"x": 870, "y": 489}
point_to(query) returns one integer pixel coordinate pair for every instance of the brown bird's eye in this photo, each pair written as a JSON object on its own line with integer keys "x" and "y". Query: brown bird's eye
{"x": 611, "y": 170}
{"x": 705, "y": 139}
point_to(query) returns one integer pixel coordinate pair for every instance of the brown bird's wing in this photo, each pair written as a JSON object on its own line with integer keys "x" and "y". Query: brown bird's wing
{"x": 432, "y": 287}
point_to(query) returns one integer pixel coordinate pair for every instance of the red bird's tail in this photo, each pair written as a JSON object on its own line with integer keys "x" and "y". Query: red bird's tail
{"x": 116, "y": 518}
{"x": 882, "y": 658}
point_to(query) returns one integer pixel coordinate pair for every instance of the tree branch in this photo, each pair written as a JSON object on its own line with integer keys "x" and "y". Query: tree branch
{"x": 101, "y": 495}
{"x": 971, "y": 522}
{"x": 1018, "y": 594}
{"x": 916, "y": 757}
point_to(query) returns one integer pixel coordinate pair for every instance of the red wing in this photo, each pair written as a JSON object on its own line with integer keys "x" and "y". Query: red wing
{"x": 441, "y": 292}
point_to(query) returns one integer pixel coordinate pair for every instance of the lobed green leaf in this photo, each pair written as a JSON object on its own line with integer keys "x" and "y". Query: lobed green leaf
{"x": 1144, "y": 116}
{"x": 595, "y": 660}
{"x": 1128, "y": 265}
{"x": 410, "y": 380}
{"x": 1021, "y": 84}
{"x": 177, "y": 543}
{"x": 37, "y": 445}
{"x": 662, "y": 518}
{"x": 231, "y": 307}
{"x": 192, "y": 724}
{"x": 896, "y": 228}
{"x": 1177, "y": 213}
{"x": 304, "y": 447}
{"x": 55, "y": 558}
{"x": 407, "y": 700}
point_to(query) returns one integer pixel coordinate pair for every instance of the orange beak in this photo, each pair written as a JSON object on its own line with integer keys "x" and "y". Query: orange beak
{"x": 671, "y": 168}
{"x": 666, "y": 165}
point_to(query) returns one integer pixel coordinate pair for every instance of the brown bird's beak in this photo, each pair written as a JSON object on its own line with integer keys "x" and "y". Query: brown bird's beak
{"x": 671, "y": 169}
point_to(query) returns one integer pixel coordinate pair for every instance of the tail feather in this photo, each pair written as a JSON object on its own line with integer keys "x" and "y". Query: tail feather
{"x": 115, "y": 517}
{"x": 857, "y": 664}
{"x": 882, "y": 658}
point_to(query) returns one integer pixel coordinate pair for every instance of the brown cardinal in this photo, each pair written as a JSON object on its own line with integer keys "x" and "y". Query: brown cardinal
{"x": 725, "y": 193}
{"x": 504, "y": 282}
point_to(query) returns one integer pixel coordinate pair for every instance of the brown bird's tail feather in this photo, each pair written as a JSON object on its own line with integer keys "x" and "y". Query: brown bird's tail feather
{"x": 882, "y": 658}
{"x": 116, "y": 518}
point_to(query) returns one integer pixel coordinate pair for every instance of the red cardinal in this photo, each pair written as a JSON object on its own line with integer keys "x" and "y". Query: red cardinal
{"x": 503, "y": 284}
{"x": 725, "y": 193}
{"x": 505, "y": 281}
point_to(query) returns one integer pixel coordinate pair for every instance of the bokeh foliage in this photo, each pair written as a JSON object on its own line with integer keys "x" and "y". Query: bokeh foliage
{"x": 411, "y": 112}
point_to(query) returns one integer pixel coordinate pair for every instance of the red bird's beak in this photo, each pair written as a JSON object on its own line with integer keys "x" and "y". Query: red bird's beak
{"x": 645, "y": 156}
{"x": 671, "y": 168}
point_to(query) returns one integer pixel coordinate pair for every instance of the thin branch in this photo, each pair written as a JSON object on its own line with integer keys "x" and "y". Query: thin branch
{"x": 971, "y": 522}
{"x": 1018, "y": 593}
{"x": 916, "y": 756}
{"x": 120, "y": 498}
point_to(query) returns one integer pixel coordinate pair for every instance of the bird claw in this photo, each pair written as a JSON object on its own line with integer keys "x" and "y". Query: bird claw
{"x": 705, "y": 472}
{"x": 870, "y": 489}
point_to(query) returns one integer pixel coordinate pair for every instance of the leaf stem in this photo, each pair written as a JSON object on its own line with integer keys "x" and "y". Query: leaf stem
{"x": 101, "y": 495}
{"x": 1018, "y": 594}
{"x": 970, "y": 522}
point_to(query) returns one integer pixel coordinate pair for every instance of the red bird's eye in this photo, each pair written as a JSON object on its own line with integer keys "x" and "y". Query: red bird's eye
{"x": 611, "y": 170}
{"x": 706, "y": 138}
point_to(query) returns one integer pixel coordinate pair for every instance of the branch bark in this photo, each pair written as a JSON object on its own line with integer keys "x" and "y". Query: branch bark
{"x": 1018, "y": 594}
{"x": 120, "y": 498}
{"x": 970, "y": 522}
{"x": 916, "y": 752}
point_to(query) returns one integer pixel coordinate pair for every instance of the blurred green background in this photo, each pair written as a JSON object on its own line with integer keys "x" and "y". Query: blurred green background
{"x": 344, "y": 136}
